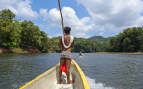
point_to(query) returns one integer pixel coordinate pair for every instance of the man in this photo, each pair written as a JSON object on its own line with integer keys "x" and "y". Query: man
{"x": 66, "y": 43}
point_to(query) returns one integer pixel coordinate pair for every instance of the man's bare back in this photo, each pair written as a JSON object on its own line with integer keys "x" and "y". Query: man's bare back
{"x": 66, "y": 43}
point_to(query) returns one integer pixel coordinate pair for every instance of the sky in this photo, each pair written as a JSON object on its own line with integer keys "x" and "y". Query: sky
{"x": 86, "y": 17}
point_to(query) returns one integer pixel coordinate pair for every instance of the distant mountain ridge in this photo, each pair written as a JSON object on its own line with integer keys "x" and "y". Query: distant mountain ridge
{"x": 98, "y": 38}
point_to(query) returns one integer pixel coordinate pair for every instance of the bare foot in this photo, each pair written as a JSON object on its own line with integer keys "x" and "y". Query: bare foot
{"x": 69, "y": 81}
{"x": 60, "y": 81}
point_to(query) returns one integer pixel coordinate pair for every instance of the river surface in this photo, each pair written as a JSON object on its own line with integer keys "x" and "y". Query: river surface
{"x": 103, "y": 71}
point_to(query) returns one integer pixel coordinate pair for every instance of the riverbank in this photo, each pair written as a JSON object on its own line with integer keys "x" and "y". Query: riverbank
{"x": 120, "y": 52}
{"x": 35, "y": 50}
{"x": 19, "y": 50}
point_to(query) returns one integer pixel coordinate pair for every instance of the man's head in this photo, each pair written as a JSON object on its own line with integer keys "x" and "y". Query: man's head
{"x": 67, "y": 30}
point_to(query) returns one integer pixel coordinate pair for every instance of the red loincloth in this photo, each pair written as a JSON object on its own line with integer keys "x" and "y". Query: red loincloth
{"x": 63, "y": 67}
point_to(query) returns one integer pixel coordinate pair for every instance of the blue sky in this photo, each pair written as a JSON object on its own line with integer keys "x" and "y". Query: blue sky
{"x": 86, "y": 17}
{"x": 49, "y": 4}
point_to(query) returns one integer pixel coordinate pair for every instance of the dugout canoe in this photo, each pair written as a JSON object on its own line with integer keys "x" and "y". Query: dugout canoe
{"x": 48, "y": 79}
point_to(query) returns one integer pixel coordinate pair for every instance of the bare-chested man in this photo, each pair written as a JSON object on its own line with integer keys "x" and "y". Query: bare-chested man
{"x": 66, "y": 42}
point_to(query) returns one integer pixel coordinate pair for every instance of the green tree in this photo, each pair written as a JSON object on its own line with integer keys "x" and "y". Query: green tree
{"x": 127, "y": 47}
{"x": 9, "y": 30}
{"x": 7, "y": 15}
{"x": 130, "y": 40}
{"x": 15, "y": 35}
{"x": 30, "y": 35}
{"x": 45, "y": 42}
{"x": 140, "y": 39}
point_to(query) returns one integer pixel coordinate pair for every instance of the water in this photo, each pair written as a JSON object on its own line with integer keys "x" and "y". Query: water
{"x": 104, "y": 71}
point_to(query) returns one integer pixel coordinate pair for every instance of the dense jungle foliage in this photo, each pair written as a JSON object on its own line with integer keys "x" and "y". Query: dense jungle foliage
{"x": 25, "y": 35}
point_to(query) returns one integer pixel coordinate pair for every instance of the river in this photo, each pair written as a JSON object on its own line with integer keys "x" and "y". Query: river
{"x": 103, "y": 71}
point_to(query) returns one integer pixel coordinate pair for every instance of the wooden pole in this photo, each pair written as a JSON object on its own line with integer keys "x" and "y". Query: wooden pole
{"x": 62, "y": 19}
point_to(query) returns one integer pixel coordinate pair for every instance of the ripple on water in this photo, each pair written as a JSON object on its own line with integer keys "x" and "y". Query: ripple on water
{"x": 104, "y": 71}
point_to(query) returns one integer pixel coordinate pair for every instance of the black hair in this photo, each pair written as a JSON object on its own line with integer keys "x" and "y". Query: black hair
{"x": 67, "y": 30}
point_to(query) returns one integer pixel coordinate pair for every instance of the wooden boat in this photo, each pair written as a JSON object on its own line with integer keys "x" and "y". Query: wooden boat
{"x": 48, "y": 80}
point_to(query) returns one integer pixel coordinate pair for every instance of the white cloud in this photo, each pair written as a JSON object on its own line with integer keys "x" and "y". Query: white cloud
{"x": 43, "y": 12}
{"x": 106, "y": 17}
{"x": 21, "y": 8}
{"x": 112, "y": 15}
{"x": 79, "y": 26}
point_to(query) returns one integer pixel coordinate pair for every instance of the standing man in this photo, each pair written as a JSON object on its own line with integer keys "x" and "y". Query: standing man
{"x": 66, "y": 43}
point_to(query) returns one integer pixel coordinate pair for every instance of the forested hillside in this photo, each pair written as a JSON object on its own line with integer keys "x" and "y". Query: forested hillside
{"x": 99, "y": 38}
{"x": 130, "y": 40}
{"x": 20, "y": 34}
{"x": 25, "y": 35}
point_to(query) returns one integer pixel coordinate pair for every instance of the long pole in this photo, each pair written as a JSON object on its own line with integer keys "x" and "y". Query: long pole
{"x": 62, "y": 19}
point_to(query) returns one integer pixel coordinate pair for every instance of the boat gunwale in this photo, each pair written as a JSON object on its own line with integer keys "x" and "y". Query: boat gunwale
{"x": 82, "y": 75}
{"x": 38, "y": 77}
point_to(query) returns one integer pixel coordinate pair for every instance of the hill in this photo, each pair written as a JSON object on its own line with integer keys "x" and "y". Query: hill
{"x": 98, "y": 38}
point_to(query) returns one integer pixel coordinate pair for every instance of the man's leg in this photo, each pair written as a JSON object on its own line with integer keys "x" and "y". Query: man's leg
{"x": 60, "y": 71}
{"x": 68, "y": 63}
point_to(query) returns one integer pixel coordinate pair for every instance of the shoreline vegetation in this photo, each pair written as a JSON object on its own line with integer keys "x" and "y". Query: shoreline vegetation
{"x": 136, "y": 53}
{"x": 33, "y": 51}
{"x": 26, "y": 37}
{"x": 18, "y": 51}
